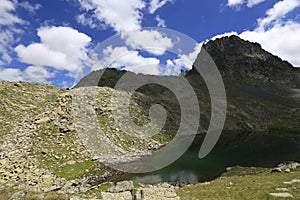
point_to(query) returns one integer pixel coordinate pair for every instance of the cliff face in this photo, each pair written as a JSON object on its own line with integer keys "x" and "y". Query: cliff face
{"x": 263, "y": 91}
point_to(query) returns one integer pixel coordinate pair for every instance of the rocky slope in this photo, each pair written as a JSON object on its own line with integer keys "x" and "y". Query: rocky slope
{"x": 259, "y": 87}
{"x": 42, "y": 156}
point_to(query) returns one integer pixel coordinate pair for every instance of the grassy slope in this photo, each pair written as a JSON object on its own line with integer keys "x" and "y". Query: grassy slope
{"x": 233, "y": 185}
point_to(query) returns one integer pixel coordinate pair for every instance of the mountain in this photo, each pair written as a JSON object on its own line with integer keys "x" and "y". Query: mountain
{"x": 43, "y": 154}
{"x": 263, "y": 91}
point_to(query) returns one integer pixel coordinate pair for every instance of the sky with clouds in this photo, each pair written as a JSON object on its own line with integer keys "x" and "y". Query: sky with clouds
{"x": 58, "y": 41}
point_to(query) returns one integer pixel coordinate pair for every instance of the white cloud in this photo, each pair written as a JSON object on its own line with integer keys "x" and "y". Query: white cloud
{"x": 31, "y": 73}
{"x": 125, "y": 18}
{"x": 82, "y": 19}
{"x": 276, "y": 34}
{"x": 156, "y": 4}
{"x": 252, "y": 3}
{"x": 238, "y": 3}
{"x": 279, "y": 10}
{"x": 233, "y": 3}
{"x": 223, "y": 35}
{"x": 282, "y": 40}
{"x": 8, "y": 19}
{"x": 6, "y": 39}
{"x": 160, "y": 21}
{"x": 173, "y": 67}
{"x": 131, "y": 60}
{"x": 8, "y": 30}
{"x": 63, "y": 48}
{"x": 150, "y": 40}
{"x": 122, "y": 15}
{"x": 38, "y": 74}
{"x": 27, "y": 6}
{"x": 11, "y": 74}
{"x": 7, "y": 15}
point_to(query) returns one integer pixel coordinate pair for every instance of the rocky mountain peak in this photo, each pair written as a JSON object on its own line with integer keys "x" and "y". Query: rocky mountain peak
{"x": 234, "y": 45}
{"x": 239, "y": 59}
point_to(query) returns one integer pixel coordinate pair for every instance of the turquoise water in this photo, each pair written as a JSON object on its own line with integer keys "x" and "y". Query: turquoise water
{"x": 243, "y": 149}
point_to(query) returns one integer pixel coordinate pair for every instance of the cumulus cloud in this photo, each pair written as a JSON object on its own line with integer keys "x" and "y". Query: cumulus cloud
{"x": 279, "y": 10}
{"x": 174, "y": 67}
{"x": 223, "y": 35}
{"x": 38, "y": 74}
{"x": 11, "y": 74}
{"x": 282, "y": 40}
{"x": 130, "y": 60}
{"x": 125, "y": 18}
{"x": 63, "y": 48}
{"x": 150, "y": 40}
{"x": 160, "y": 21}
{"x": 31, "y": 73}
{"x": 122, "y": 15}
{"x": 156, "y": 4}
{"x": 276, "y": 34}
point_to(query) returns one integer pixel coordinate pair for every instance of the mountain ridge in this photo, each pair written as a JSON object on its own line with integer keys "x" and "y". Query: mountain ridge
{"x": 252, "y": 76}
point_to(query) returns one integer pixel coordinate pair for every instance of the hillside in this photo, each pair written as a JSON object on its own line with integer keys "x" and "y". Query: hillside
{"x": 43, "y": 156}
{"x": 259, "y": 86}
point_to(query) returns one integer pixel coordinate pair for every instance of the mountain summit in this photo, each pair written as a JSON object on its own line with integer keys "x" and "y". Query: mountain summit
{"x": 239, "y": 59}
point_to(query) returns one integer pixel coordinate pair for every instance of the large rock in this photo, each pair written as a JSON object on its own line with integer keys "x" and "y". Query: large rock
{"x": 156, "y": 193}
{"x": 116, "y": 196}
{"x": 121, "y": 186}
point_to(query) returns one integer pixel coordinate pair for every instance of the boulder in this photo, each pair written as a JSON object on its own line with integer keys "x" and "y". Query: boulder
{"x": 121, "y": 187}
{"x": 116, "y": 196}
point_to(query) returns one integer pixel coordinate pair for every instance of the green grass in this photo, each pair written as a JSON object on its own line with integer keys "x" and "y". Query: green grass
{"x": 248, "y": 187}
{"x": 70, "y": 172}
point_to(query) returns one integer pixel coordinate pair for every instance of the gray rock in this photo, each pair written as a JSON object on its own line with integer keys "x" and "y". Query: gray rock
{"x": 293, "y": 165}
{"x": 287, "y": 170}
{"x": 71, "y": 162}
{"x": 284, "y": 194}
{"x": 278, "y": 169}
{"x": 116, "y": 196}
{"x": 292, "y": 181}
{"x": 296, "y": 188}
{"x": 282, "y": 189}
{"x": 155, "y": 193}
{"x": 121, "y": 187}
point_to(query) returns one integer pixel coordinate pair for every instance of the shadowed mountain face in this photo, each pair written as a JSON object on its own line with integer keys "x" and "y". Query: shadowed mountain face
{"x": 238, "y": 59}
{"x": 263, "y": 91}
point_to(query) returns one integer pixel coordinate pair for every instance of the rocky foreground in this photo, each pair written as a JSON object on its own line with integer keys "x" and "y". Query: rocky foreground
{"x": 41, "y": 155}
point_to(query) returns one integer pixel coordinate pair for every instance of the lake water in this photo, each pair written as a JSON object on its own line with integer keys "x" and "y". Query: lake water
{"x": 233, "y": 148}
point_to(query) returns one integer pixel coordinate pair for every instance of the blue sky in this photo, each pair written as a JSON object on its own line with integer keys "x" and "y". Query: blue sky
{"x": 58, "y": 41}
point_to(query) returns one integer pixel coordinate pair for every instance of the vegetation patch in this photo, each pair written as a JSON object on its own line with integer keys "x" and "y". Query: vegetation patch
{"x": 255, "y": 186}
{"x": 70, "y": 172}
